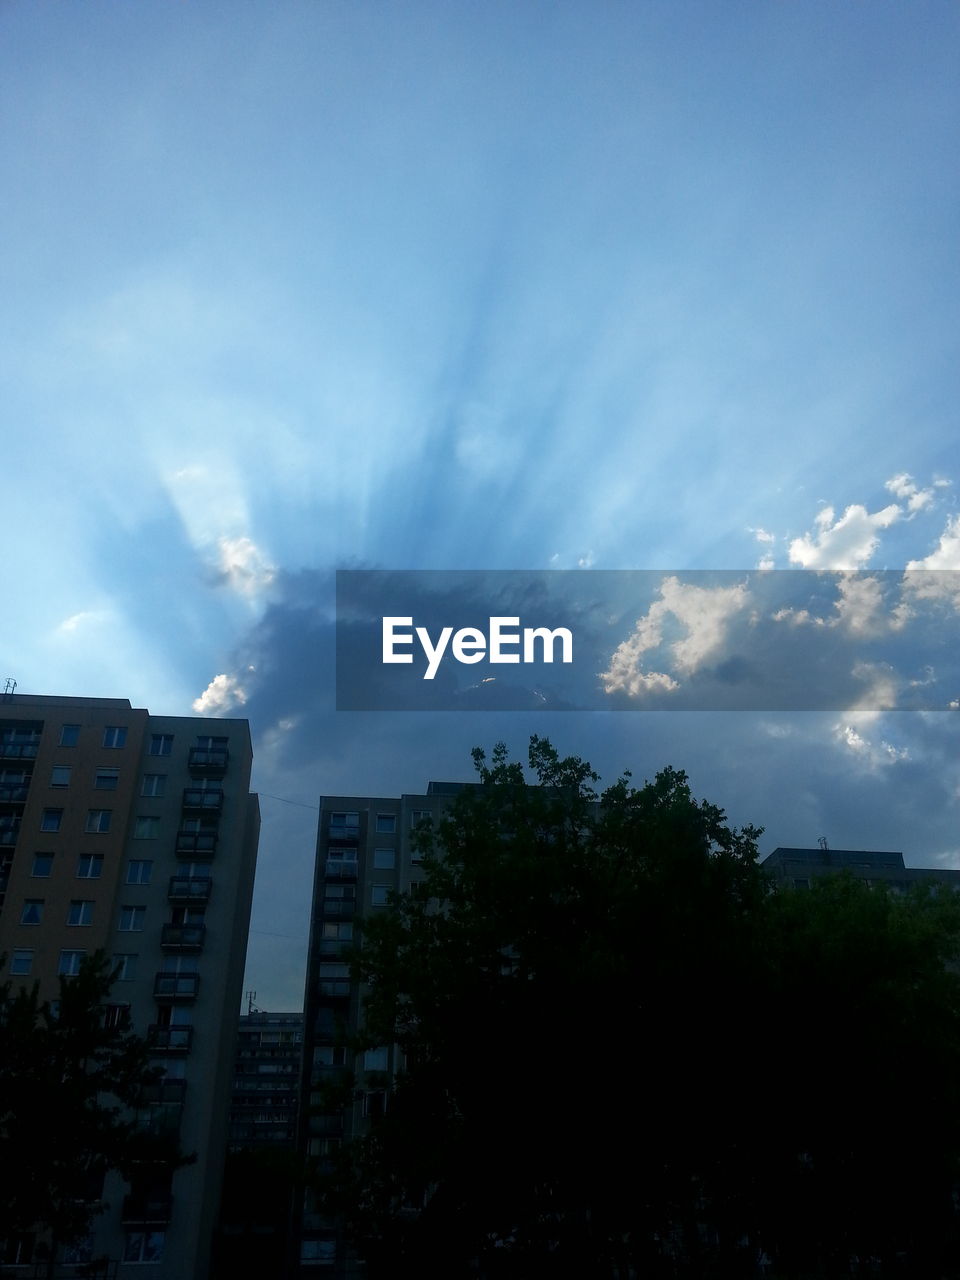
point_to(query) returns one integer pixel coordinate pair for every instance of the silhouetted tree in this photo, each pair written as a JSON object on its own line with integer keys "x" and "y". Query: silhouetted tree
{"x": 627, "y": 1055}
{"x": 70, "y": 1076}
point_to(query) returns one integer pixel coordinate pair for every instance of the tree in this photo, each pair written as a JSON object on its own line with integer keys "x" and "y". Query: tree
{"x": 70, "y": 1075}
{"x": 599, "y": 1000}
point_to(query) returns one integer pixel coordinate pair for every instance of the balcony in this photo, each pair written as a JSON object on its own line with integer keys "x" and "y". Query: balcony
{"x": 184, "y": 938}
{"x": 14, "y": 793}
{"x": 169, "y": 1039}
{"x": 323, "y": 1125}
{"x": 343, "y": 832}
{"x": 340, "y": 868}
{"x": 151, "y": 1210}
{"x": 9, "y": 830}
{"x": 196, "y": 844}
{"x": 19, "y": 750}
{"x": 176, "y": 988}
{"x": 189, "y": 889}
{"x": 202, "y": 800}
{"x": 164, "y": 1093}
{"x": 339, "y": 908}
{"x": 208, "y": 762}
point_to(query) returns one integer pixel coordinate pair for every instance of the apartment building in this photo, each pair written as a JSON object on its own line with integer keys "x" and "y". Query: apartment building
{"x": 799, "y": 867}
{"x": 137, "y": 835}
{"x": 364, "y": 851}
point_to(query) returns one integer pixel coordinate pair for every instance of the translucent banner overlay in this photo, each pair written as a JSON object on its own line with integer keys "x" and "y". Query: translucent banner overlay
{"x": 642, "y": 640}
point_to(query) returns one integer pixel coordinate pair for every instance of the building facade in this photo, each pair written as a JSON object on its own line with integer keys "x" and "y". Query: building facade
{"x": 799, "y": 867}
{"x": 137, "y": 835}
{"x": 365, "y": 850}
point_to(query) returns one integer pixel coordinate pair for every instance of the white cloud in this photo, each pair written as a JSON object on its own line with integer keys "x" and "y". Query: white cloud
{"x": 762, "y": 535}
{"x": 221, "y": 695}
{"x": 847, "y": 543}
{"x": 703, "y": 612}
{"x": 947, "y": 553}
{"x": 84, "y": 619}
{"x": 860, "y": 607}
{"x": 871, "y": 754}
{"x": 902, "y": 486}
{"x": 243, "y": 566}
{"x": 765, "y": 562}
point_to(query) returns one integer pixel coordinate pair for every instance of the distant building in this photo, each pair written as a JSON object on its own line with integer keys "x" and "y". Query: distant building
{"x": 263, "y": 1107}
{"x": 364, "y": 850}
{"x": 137, "y": 834}
{"x": 260, "y": 1173}
{"x": 797, "y": 867}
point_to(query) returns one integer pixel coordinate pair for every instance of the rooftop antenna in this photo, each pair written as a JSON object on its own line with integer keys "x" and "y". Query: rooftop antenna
{"x": 822, "y": 842}
{"x": 251, "y": 1006}
{"x": 8, "y": 689}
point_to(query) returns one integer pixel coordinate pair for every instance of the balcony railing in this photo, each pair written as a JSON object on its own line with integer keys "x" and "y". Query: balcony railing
{"x": 192, "y": 889}
{"x": 196, "y": 844}
{"x": 182, "y": 937}
{"x": 346, "y": 833}
{"x": 14, "y": 793}
{"x": 209, "y": 762}
{"x": 176, "y": 988}
{"x": 338, "y": 908}
{"x": 19, "y": 750}
{"x": 341, "y": 868}
{"x": 9, "y": 830}
{"x": 169, "y": 1039}
{"x": 203, "y": 799}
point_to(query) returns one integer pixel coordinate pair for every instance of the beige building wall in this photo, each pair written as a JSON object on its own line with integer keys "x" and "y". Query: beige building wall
{"x": 171, "y": 903}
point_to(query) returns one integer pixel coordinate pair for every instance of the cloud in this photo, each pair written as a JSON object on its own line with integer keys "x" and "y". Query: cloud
{"x": 847, "y": 543}
{"x": 947, "y": 553}
{"x": 222, "y": 695}
{"x": 872, "y": 754}
{"x": 902, "y": 486}
{"x": 243, "y": 566}
{"x": 703, "y": 613}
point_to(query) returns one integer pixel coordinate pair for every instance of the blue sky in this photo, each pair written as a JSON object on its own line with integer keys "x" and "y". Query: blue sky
{"x": 291, "y": 287}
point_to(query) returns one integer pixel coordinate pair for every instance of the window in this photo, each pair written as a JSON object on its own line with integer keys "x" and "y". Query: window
{"x": 131, "y": 919}
{"x": 343, "y": 820}
{"x": 318, "y": 1252}
{"x": 144, "y": 1246}
{"x": 419, "y": 818}
{"x": 179, "y": 964}
{"x": 115, "y": 735}
{"x": 125, "y": 966}
{"x": 384, "y": 859}
{"x": 90, "y": 866}
{"x": 60, "y": 775}
{"x": 328, "y": 1055}
{"x": 98, "y": 821}
{"x": 50, "y": 819}
{"x": 146, "y": 828}
{"x": 139, "y": 871}
{"x": 386, "y": 823}
{"x": 42, "y": 864}
{"x": 81, "y": 912}
{"x": 69, "y": 735}
{"x": 32, "y": 912}
{"x": 70, "y": 961}
{"x": 207, "y": 743}
{"x": 343, "y": 932}
{"x": 375, "y": 1059}
{"x": 106, "y": 779}
{"x": 21, "y": 963}
{"x": 153, "y": 784}
{"x": 379, "y": 895}
{"x": 161, "y": 744}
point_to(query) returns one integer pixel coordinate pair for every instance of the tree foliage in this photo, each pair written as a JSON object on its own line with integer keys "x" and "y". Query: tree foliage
{"x": 69, "y": 1077}
{"x": 627, "y": 1055}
